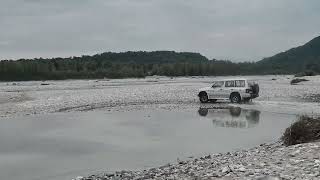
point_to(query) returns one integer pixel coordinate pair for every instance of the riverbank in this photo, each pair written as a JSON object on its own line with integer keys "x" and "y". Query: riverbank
{"x": 32, "y": 97}
{"x": 273, "y": 161}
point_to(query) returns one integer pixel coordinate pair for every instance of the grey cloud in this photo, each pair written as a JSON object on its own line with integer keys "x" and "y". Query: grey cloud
{"x": 229, "y": 29}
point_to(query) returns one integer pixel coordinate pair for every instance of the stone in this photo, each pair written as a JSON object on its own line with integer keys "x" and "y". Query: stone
{"x": 293, "y": 154}
{"x": 79, "y": 178}
{"x": 242, "y": 169}
{"x": 225, "y": 170}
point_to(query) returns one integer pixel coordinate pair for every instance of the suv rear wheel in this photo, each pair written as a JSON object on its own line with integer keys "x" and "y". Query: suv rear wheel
{"x": 235, "y": 98}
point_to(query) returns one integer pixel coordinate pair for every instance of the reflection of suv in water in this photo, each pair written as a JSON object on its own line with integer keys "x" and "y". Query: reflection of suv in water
{"x": 235, "y": 90}
{"x": 231, "y": 117}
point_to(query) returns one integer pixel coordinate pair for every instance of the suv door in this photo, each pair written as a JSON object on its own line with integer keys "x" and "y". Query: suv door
{"x": 229, "y": 87}
{"x": 216, "y": 91}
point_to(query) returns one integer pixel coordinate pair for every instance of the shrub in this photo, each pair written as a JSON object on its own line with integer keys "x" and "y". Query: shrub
{"x": 304, "y": 130}
{"x": 295, "y": 81}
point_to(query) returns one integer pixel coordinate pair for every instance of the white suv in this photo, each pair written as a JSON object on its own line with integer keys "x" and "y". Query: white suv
{"x": 235, "y": 90}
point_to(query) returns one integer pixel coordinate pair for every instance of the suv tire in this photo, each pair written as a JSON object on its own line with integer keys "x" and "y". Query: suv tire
{"x": 255, "y": 89}
{"x": 203, "y": 97}
{"x": 235, "y": 98}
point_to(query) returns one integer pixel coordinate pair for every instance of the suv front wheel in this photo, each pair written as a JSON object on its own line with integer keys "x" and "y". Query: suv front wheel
{"x": 203, "y": 97}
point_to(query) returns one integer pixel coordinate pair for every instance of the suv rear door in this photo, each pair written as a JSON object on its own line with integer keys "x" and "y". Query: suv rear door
{"x": 229, "y": 88}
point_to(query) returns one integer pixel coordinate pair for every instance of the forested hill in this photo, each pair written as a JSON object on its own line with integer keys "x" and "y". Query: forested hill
{"x": 106, "y": 65}
{"x": 165, "y": 63}
{"x": 142, "y": 57}
{"x": 306, "y": 57}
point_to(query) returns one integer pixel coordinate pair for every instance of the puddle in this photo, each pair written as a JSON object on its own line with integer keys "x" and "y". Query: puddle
{"x": 65, "y": 145}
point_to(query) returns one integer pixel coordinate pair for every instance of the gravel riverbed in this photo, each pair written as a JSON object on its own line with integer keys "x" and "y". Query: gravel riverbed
{"x": 267, "y": 161}
{"x": 28, "y": 98}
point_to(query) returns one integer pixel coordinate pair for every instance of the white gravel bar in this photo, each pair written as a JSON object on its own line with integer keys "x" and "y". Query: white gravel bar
{"x": 27, "y": 98}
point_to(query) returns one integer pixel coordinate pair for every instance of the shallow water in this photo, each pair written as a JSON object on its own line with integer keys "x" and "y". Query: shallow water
{"x": 65, "y": 145}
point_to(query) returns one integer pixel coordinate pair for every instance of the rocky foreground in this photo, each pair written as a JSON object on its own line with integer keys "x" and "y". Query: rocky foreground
{"x": 268, "y": 161}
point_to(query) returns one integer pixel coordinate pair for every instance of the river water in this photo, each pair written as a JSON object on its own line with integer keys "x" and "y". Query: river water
{"x": 61, "y": 146}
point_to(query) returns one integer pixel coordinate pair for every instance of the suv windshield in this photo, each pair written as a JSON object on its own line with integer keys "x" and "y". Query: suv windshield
{"x": 218, "y": 84}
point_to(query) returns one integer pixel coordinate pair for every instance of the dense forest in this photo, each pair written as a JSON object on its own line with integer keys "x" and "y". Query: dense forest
{"x": 119, "y": 65}
{"x": 164, "y": 63}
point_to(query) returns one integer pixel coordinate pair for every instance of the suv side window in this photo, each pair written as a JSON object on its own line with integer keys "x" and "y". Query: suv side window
{"x": 240, "y": 83}
{"x": 230, "y": 84}
{"x": 218, "y": 84}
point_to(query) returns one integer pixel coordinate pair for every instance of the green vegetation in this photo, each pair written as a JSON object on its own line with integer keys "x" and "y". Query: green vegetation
{"x": 305, "y": 130}
{"x": 109, "y": 65}
{"x": 164, "y": 63}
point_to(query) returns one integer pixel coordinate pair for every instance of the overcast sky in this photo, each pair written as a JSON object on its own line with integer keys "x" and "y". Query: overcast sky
{"x": 240, "y": 30}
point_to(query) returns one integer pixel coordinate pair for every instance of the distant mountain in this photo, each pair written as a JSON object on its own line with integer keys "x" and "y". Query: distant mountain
{"x": 305, "y": 57}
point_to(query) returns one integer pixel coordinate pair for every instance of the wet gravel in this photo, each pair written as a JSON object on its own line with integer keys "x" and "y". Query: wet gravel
{"x": 272, "y": 161}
